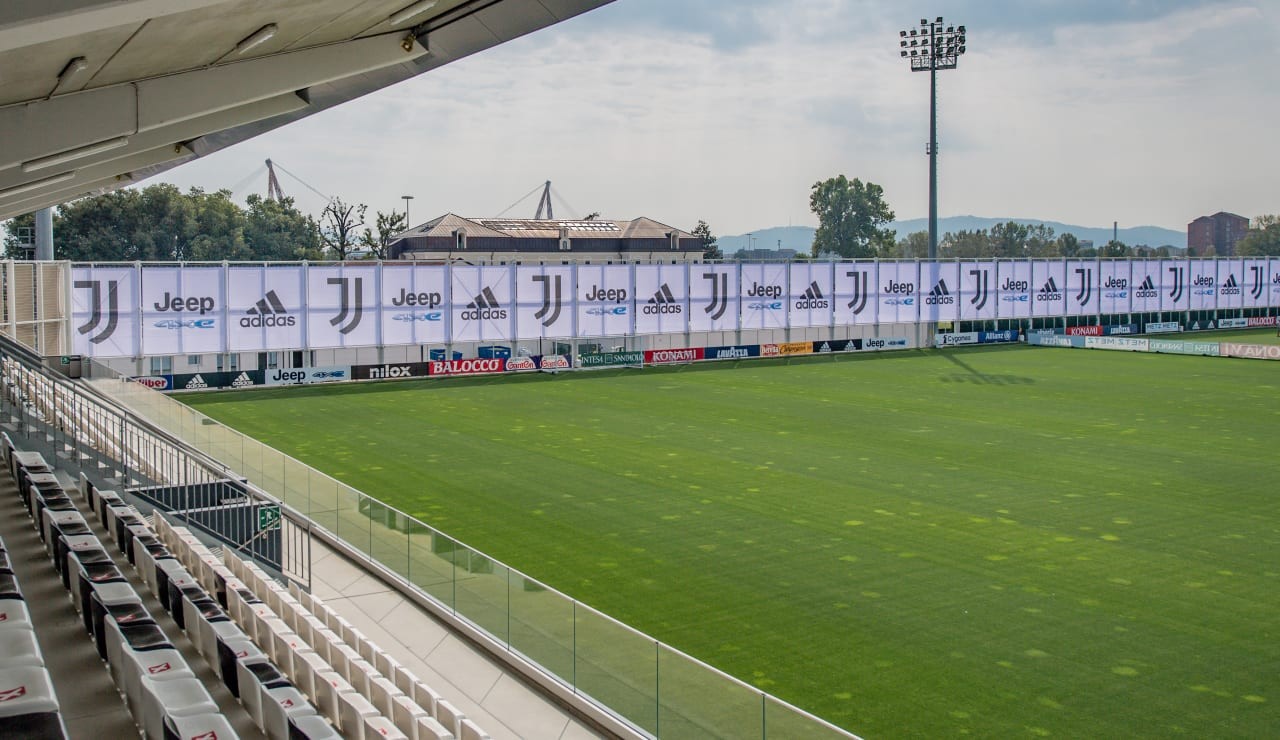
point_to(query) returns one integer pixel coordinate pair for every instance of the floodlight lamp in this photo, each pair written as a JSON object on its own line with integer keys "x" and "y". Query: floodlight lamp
{"x": 903, "y": 34}
{"x": 962, "y": 49}
{"x": 924, "y": 21}
{"x": 951, "y": 29}
{"x": 903, "y": 43}
{"x": 939, "y": 20}
{"x": 904, "y": 53}
{"x": 961, "y": 29}
{"x": 913, "y": 32}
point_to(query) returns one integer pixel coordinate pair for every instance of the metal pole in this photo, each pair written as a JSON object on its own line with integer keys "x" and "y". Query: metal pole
{"x": 933, "y": 153}
{"x": 44, "y": 234}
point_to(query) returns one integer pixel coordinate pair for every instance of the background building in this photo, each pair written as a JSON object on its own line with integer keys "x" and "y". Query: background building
{"x": 1219, "y": 233}
{"x": 452, "y": 238}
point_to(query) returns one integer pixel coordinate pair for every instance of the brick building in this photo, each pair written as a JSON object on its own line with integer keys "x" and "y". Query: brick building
{"x": 1216, "y": 235}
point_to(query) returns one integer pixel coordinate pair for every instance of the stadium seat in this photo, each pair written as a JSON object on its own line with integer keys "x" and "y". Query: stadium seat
{"x": 405, "y": 713}
{"x": 279, "y": 706}
{"x": 353, "y": 709}
{"x": 450, "y": 716}
{"x": 197, "y": 727}
{"x": 28, "y": 705}
{"x": 255, "y": 679}
{"x": 426, "y": 697}
{"x": 312, "y": 727}
{"x": 13, "y": 609}
{"x": 469, "y": 730}
{"x": 381, "y": 727}
{"x": 429, "y": 728}
{"x": 19, "y": 648}
{"x": 383, "y": 694}
{"x": 172, "y": 698}
{"x": 232, "y": 650}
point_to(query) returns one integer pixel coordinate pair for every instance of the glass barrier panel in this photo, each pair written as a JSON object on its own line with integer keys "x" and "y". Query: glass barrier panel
{"x": 324, "y": 499}
{"x": 482, "y": 591}
{"x": 696, "y": 702}
{"x": 388, "y": 538}
{"x": 431, "y": 565}
{"x": 616, "y": 667}
{"x": 296, "y": 485}
{"x": 353, "y": 518}
{"x": 785, "y": 721}
{"x": 542, "y": 626}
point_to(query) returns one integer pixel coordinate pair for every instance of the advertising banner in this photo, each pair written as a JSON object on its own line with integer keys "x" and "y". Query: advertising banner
{"x": 1051, "y": 340}
{"x": 1262, "y": 321}
{"x": 1015, "y": 287}
{"x": 604, "y": 300}
{"x": 1174, "y": 285}
{"x": 473, "y": 366}
{"x": 1126, "y": 344}
{"x": 955, "y": 339}
{"x": 898, "y": 292}
{"x": 544, "y": 301}
{"x": 1114, "y": 276}
{"x": 786, "y": 349}
{"x": 812, "y": 288}
{"x": 552, "y": 362}
{"x": 1049, "y": 282}
{"x": 611, "y": 359}
{"x": 104, "y": 311}
{"x": 877, "y": 344}
{"x": 390, "y": 371}
{"x": 739, "y": 352}
{"x": 764, "y": 296}
{"x": 155, "y": 382}
{"x": 307, "y": 375}
{"x": 481, "y": 303}
{"x": 1274, "y": 300}
{"x": 940, "y": 286}
{"x": 230, "y": 379}
{"x": 265, "y": 308}
{"x": 662, "y": 299}
{"x": 1003, "y": 336}
{"x": 183, "y": 311}
{"x": 1163, "y": 327}
{"x": 1082, "y": 288}
{"x": 342, "y": 305}
{"x": 1168, "y": 347}
{"x": 855, "y": 301}
{"x": 1230, "y": 324}
{"x": 1084, "y": 331}
{"x": 1251, "y": 351}
{"x": 1203, "y": 280}
{"x": 837, "y": 345}
{"x": 1121, "y": 330}
{"x": 412, "y": 304}
{"x": 669, "y": 356}
{"x": 713, "y": 298}
{"x": 1257, "y": 275}
{"x": 1230, "y": 283}
{"x": 978, "y": 300}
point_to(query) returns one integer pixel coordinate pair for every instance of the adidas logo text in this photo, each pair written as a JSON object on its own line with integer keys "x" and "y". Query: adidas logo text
{"x": 268, "y": 312}
{"x": 1049, "y": 293}
{"x": 1147, "y": 289}
{"x": 940, "y": 296}
{"x": 662, "y": 302}
{"x": 485, "y": 306}
{"x": 812, "y": 298}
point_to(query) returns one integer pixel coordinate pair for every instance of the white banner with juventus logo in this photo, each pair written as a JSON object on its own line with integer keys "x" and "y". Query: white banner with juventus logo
{"x": 412, "y": 304}
{"x": 940, "y": 291}
{"x": 104, "y": 311}
{"x": 662, "y": 299}
{"x": 856, "y": 293}
{"x": 182, "y": 310}
{"x": 977, "y": 293}
{"x": 265, "y": 308}
{"x": 898, "y": 293}
{"x": 1014, "y": 279}
{"x": 1115, "y": 281}
{"x": 1204, "y": 284}
{"x": 1049, "y": 288}
{"x": 812, "y": 288}
{"x": 1230, "y": 282}
{"x": 713, "y": 297}
{"x": 1255, "y": 286}
{"x": 544, "y": 307}
{"x": 1175, "y": 285}
{"x": 1274, "y": 283}
{"x": 1144, "y": 286}
{"x": 342, "y": 305}
{"x": 605, "y": 300}
{"x": 764, "y": 296}
{"x": 482, "y": 305}
{"x": 1082, "y": 287}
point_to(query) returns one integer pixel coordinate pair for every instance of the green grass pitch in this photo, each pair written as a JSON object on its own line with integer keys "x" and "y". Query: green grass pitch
{"x": 1000, "y": 542}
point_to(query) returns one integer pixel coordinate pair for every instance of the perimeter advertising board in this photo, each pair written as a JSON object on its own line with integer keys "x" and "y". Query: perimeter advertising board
{"x": 611, "y": 359}
{"x": 307, "y": 375}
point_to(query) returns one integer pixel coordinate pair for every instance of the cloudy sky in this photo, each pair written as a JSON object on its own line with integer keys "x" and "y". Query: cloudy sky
{"x": 1146, "y": 112}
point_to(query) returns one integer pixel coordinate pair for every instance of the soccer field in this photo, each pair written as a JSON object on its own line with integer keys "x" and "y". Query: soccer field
{"x": 1003, "y": 542}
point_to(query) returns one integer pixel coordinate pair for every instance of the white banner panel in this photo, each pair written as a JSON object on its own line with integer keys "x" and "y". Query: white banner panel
{"x": 1049, "y": 285}
{"x": 940, "y": 291}
{"x": 183, "y": 312}
{"x": 899, "y": 293}
{"x": 1204, "y": 285}
{"x": 856, "y": 293}
{"x": 605, "y": 300}
{"x": 104, "y": 311}
{"x": 1144, "y": 286}
{"x": 1274, "y": 300}
{"x": 812, "y": 288}
{"x": 1256, "y": 278}
{"x": 764, "y": 296}
{"x": 1175, "y": 285}
{"x": 1115, "y": 280}
{"x": 265, "y": 308}
{"x": 481, "y": 303}
{"x": 1014, "y": 280}
{"x": 544, "y": 301}
{"x": 342, "y": 305}
{"x": 411, "y": 304}
{"x": 662, "y": 299}
{"x": 1082, "y": 287}
{"x": 1230, "y": 283}
{"x": 977, "y": 291}
{"x": 713, "y": 297}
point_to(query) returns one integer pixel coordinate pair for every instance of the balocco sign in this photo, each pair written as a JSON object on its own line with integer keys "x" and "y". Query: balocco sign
{"x": 481, "y": 366}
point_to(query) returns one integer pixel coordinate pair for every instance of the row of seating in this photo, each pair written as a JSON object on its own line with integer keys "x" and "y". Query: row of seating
{"x": 28, "y": 704}
{"x": 276, "y": 706}
{"x": 323, "y": 651}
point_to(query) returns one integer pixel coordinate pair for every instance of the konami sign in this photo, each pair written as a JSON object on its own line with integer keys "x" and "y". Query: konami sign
{"x": 1251, "y": 351}
{"x": 667, "y": 356}
{"x": 479, "y": 366}
{"x": 1084, "y": 331}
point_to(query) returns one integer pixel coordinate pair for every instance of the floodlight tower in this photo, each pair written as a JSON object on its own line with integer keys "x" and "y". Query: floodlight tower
{"x": 932, "y": 47}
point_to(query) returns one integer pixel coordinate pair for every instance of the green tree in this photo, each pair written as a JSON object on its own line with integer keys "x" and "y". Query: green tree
{"x": 1009, "y": 240}
{"x": 387, "y": 225}
{"x": 339, "y": 226}
{"x": 966, "y": 244}
{"x": 710, "y": 250}
{"x": 913, "y": 246}
{"x": 1041, "y": 241}
{"x": 1068, "y": 245}
{"x": 1263, "y": 239}
{"x": 276, "y": 230}
{"x": 219, "y": 228}
{"x": 1114, "y": 248}
{"x": 851, "y": 218}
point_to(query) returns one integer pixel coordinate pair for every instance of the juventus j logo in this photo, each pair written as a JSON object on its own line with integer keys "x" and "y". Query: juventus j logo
{"x": 1258, "y": 279}
{"x": 1086, "y": 285}
{"x": 95, "y": 318}
{"x": 551, "y": 298}
{"x": 351, "y": 303}
{"x": 859, "y": 302}
{"x": 719, "y": 294}
{"x": 1178, "y": 274}
{"x": 981, "y": 288}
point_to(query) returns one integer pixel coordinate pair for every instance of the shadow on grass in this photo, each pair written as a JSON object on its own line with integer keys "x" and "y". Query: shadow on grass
{"x": 974, "y": 376}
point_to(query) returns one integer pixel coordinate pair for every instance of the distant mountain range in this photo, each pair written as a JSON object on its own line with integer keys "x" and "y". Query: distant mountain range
{"x": 800, "y": 238}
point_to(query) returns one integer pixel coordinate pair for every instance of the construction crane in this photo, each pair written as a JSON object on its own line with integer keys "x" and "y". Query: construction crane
{"x": 273, "y": 184}
{"x": 545, "y": 203}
